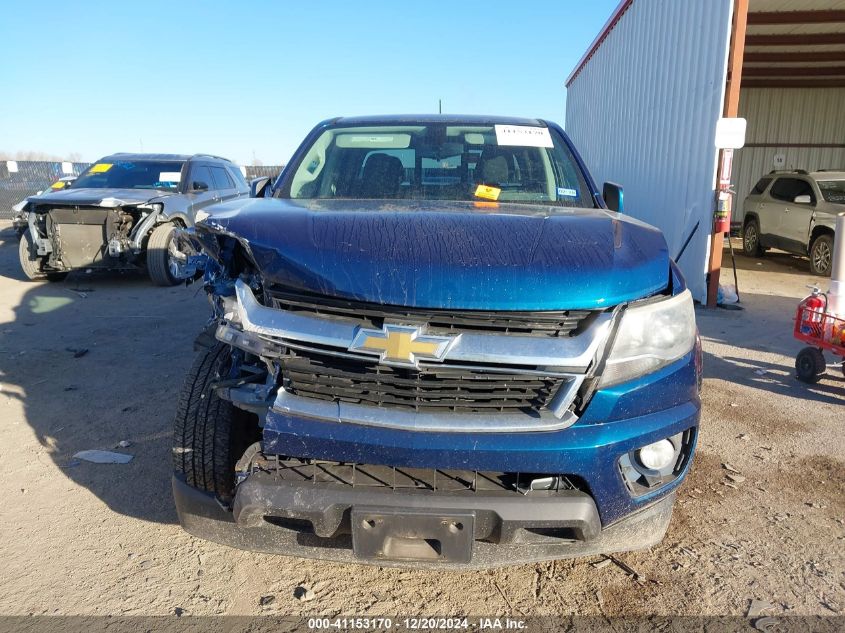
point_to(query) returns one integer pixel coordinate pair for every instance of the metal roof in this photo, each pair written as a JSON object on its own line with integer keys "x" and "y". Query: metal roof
{"x": 789, "y": 43}
{"x": 794, "y": 44}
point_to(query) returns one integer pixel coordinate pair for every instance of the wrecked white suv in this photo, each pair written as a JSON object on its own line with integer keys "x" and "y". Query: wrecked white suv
{"x": 121, "y": 213}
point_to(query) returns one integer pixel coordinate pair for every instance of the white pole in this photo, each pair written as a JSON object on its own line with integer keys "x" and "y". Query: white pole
{"x": 836, "y": 294}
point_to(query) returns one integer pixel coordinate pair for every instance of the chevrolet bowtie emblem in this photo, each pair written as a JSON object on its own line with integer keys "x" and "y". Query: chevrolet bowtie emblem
{"x": 401, "y": 344}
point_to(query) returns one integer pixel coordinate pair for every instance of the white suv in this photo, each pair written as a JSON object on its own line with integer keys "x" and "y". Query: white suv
{"x": 795, "y": 211}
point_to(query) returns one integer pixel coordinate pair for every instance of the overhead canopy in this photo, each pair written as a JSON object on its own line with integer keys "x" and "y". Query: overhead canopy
{"x": 794, "y": 44}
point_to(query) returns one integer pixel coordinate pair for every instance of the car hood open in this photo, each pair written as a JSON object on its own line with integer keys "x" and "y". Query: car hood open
{"x": 449, "y": 254}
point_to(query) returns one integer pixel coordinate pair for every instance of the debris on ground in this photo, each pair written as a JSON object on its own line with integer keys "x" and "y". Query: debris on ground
{"x": 77, "y": 353}
{"x": 737, "y": 479}
{"x": 103, "y": 457}
{"x": 627, "y": 569}
{"x": 303, "y": 594}
{"x": 123, "y": 444}
{"x": 604, "y": 562}
{"x": 760, "y": 372}
{"x": 730, "y": 468}
{"x": 757, "y": 607}
{"x": 264, "y": 601}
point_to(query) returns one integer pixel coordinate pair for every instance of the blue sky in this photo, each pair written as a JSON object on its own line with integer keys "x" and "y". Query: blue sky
{"x": 245, "y": 79}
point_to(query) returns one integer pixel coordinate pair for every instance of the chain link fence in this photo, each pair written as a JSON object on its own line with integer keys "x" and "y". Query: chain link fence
{"x": 21, "y": 179}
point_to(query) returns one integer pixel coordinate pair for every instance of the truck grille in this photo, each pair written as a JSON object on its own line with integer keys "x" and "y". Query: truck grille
{"x": 440, "y": 388}
{"x": 344, "y": 474}
{"x": 374, "y": 315}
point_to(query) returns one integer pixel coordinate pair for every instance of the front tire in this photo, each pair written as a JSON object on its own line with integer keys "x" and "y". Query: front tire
{"x": 810, "y": 365}
{"x": 158, "y": 255}
{"x": 821, "y": 255}
{"x": 751, "y": 239}
{"x": 30, "y": 262}
{"x": 209, "y": 433}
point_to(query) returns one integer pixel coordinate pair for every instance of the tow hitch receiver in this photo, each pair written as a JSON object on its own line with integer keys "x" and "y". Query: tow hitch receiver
{"x": 412, "y": 535}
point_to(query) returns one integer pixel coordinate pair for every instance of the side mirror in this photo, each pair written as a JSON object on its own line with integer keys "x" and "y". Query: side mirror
{"x": 199, "y": 185}
{"x": 613, "y": 196}
{"x": 258, "y": 187}
{"x": 805, "y": 199}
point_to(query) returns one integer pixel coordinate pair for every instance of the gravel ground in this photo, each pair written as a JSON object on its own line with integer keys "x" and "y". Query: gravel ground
{"x": 98, "y": 359}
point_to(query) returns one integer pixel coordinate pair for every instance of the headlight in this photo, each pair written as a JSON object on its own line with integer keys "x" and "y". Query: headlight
{"x": 649, "y": 337}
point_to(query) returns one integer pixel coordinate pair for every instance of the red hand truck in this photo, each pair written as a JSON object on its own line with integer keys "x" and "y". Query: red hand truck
{"x": 822, "y": 331}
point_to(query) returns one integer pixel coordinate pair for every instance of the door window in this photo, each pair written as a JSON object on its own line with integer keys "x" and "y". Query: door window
{"x": 200, "y": 173}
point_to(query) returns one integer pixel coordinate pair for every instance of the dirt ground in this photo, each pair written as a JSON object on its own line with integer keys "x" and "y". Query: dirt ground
{"x": 97, "y": 359}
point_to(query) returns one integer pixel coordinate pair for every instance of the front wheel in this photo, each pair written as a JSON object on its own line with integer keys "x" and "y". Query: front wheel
{"x": 751, "y": 239}
{"x": 210, "y": 434}
{"x": 30, "y": 262}
{"x": 821, "y": 255}
{"x": 160, "y": 248}
{"x": 809, "y": 365}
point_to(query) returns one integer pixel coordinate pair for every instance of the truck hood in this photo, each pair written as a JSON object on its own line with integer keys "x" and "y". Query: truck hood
{"x": 97, "y": 197}
{"x": 449, "y": 254}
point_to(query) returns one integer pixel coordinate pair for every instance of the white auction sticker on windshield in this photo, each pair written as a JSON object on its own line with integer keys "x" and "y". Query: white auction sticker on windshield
{"x": 523, "y": 135}
{"x": 169, "y": 176}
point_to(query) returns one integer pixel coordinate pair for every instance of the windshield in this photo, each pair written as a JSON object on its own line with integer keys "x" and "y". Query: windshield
{"x": 144, "y": 174}
{"x": 833, "y": 190}
{"x": 440, "y": 161}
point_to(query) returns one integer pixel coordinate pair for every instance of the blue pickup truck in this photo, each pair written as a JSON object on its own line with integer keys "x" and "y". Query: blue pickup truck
{"x": 435, "y": 343}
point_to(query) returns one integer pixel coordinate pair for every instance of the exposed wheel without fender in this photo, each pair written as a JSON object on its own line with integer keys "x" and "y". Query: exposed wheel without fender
{"x": 209, "y": 433}
{"x": 809, "y": 365}
{"x": 31, "y": 264}
{"x": 159, "y": 254}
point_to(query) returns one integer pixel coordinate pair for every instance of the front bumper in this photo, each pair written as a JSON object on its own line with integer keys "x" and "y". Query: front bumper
{"x": 501, "y": 525}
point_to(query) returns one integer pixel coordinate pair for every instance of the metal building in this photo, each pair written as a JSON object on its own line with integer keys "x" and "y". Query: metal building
{"x": 643, "y": 102}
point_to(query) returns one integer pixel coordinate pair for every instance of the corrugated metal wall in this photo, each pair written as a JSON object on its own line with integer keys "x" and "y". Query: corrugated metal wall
{"x": 643, "y": 113}
{"x": 784, "y": 116}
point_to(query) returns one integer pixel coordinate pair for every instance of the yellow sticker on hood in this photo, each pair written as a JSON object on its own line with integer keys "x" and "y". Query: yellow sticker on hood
{"x": 100, "y": 168}
{"x": 58, "y": 185}
{"x": 487, "y": 192}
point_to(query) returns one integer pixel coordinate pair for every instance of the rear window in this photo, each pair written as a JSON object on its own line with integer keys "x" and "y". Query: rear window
{"x": 222, "y": 180}
{"x": 833, "y": 190}
{"x": 760, "y": 187}
{"x": 439, "y": 161}
{"x": 236, "y": 173}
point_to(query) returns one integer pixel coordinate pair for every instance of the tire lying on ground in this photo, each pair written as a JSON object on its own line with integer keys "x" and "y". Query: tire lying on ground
{"x": 158, "y": 255}
{"x": 209, "y": 433}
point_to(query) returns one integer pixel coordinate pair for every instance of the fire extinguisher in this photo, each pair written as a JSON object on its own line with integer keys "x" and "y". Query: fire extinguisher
{"x": 812, "y": 313}
{"x": 723, "y": 213}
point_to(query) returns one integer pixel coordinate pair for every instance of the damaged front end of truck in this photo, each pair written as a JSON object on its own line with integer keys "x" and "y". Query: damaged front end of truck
{"x": 441, "y": 361}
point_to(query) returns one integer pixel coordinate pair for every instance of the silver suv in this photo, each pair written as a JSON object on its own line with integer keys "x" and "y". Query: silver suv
{"x": 795, "y": 211}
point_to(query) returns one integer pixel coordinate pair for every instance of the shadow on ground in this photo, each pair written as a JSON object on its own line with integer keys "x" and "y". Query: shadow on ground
{"x": 737, "y": 345}
{"x": 96, "y": 359}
